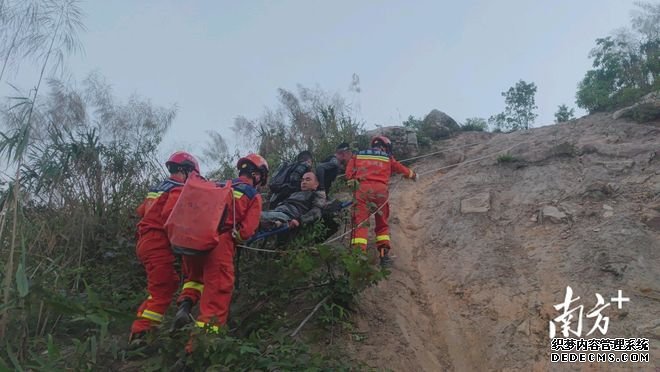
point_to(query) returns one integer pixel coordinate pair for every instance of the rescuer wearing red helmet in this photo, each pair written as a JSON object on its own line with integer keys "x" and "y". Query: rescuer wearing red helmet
{"x": 214, "y": 272}
{"x": 372, "y": 170}
{"x": 153, "y": 247}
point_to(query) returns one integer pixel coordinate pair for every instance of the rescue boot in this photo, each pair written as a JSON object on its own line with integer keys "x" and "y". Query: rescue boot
{"x": 385, "y": 259}
{"x": 183, "y": 314}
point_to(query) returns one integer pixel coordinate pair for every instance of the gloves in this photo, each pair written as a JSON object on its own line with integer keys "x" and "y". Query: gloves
{"x": 237, "y": 236}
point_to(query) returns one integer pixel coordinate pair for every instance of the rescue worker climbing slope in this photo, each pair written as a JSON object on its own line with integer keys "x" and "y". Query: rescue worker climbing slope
{"x": 153, "y": 247}
{"x": 214, "y": 271}
{"x": 372, "y": 170}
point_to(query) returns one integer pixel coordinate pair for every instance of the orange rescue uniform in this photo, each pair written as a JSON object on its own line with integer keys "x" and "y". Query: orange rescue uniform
{"x": 213, "y": 273}
{"x": 153, "y": 250}
{"x": 372, "y": 169}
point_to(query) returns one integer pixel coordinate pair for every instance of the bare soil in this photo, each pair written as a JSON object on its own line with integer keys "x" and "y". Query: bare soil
{"x": 475, "y": 291}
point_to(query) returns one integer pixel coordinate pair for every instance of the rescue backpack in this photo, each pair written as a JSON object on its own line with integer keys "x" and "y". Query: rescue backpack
{"x": 281, "y": 176}
{"x": 192, "y": 227}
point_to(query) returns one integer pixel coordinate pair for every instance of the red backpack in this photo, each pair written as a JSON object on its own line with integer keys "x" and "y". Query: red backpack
{"x": 192, "y": 227}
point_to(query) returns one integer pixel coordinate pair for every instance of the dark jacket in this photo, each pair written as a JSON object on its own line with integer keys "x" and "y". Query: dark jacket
{"x": 292, "y": 184}
{"x": 326, "y": 172}
{"x": 304, "y": 206}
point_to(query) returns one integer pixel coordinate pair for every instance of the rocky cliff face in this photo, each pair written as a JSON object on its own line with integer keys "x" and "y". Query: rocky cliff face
{"x": 485, "y": 249}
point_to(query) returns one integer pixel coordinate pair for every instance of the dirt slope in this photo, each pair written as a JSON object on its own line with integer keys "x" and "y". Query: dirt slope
{"x": 475, "y": 291}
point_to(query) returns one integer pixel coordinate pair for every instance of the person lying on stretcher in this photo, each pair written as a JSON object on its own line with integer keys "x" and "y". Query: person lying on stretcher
{"x": 301, "y": 207}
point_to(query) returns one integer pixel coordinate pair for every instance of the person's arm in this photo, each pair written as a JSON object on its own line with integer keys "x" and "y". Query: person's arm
{"x": 318, "y": 203}
{"x": 250, "y": 223}
{"x": 323, "y": 169}
{"x": 402, "y": 169}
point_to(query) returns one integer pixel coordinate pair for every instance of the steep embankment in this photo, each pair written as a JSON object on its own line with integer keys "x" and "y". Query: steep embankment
{"x": 475, "y": 291}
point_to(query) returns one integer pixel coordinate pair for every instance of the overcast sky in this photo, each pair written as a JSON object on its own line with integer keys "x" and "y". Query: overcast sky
{"x": 220, "y": 59}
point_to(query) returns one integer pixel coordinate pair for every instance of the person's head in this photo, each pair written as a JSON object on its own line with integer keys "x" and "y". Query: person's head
{"x": 382, "y": 143}
{"x": 182, "y": 164}
{"x": 309, "y": 182}
{"x": 343, "y": 153}
{"x": 305, "y": 157}
{"x": 254, "y": 167}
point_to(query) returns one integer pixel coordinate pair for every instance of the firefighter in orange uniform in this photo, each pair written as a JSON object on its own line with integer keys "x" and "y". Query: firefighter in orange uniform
{"x": 214, "y": 272}
{"x": 153, "y": 247}
{"x": 372, "y": 170}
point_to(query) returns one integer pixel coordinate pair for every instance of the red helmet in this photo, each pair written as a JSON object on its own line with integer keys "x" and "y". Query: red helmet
{"x": 382, "y": 141}
{"x": 257, "y": 163}
{"x": 182, "y": 159}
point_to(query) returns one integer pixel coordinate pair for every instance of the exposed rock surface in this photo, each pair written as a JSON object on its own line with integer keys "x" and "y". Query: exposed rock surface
{"x": 473, "y": 292}
{"x": 477, "y": 204}
{"x": 647, "y": 109}
{"x": 437, "y": 125}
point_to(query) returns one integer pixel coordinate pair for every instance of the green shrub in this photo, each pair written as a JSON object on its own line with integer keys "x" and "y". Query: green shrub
{"x": 474, "y": 125}
{"x": 506, "y": 158}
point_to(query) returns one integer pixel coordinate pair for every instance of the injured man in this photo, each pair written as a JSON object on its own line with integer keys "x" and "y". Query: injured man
{"x": 301, "y": 207}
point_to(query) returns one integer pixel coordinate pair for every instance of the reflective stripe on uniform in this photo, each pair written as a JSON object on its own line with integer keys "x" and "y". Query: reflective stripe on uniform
{"x": 380, "y": 238}
{"x": 194, "y": 285}
{"x": 373, "y": 157}
{"x": 151, "y": 315}
{"x": 238, "y": 194}
{"x": 359, "y": 241}
{"x": 154, "y": 195}
{"x": 209, "y": 327}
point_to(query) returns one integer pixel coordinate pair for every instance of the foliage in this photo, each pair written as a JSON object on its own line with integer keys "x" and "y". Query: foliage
{"x": 38, "y": 29}
{"x": 519, "y": 111}
{"x": 474, "y": 125}
{"x": 83, "y": 161}
{"x": 311, "y": 120}
{"x": 564, "y": 114}
{"x": 626, "y": 64}
{"x": 280, "y": 285}
{"x": 216, "y": 154}
{"x": 413, "y": 123}
{"x": 506, "y": 158}
{"x": 87, "y": 162}
{"x": 259, "y": 351}
{"x": 45, "y": 30}
{"x": 423, "y": 139}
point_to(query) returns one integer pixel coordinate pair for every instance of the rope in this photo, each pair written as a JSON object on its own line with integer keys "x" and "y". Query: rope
{"x": 259, "y": 249}
{"x": 472, "y": 160}
{"x": 439, "y": 152}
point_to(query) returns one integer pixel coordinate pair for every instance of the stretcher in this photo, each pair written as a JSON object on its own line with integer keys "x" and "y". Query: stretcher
{"x": 263, "y": 234}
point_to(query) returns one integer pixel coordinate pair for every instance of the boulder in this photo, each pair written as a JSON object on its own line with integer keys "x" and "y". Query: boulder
{"x": 437, "y": 125}
{"x": 552, "y": 214}
{"x": 646, "y": 109}
{"x": 404, "y": 140}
